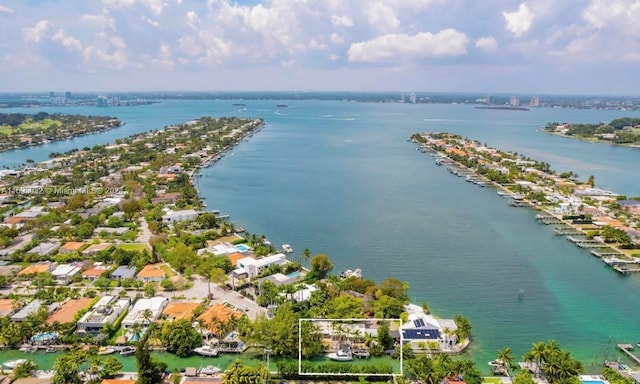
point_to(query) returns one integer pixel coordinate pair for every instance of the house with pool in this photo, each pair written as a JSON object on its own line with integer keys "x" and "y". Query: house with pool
{"x": 249, "y": 267}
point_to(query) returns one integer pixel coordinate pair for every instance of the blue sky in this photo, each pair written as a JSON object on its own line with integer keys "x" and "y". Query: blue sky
{"x": 536, "y": 46}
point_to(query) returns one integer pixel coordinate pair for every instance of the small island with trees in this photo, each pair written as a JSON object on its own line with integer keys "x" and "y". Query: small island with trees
{"x": 622, "y": 131}
{"x": 19, "y": 130}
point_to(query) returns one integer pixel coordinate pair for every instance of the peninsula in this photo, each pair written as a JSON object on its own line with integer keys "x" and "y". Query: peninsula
{"x": 19, "y": 130}
{"x": 601, "y": 221}
{"x": 110, "y": 250}
{"x": 623, "y": 131}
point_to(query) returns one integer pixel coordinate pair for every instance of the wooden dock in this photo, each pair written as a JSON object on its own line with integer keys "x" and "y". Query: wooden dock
{"x": 627, "y": 348}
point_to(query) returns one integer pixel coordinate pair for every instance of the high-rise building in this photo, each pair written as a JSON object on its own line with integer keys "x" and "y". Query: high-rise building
{"x": 412, "y": 98}
{"x": 67, "y": 95}
{"x": 52, "y": 94}
{"x": 535, "y": 101}
{"x": 514, "y": 101}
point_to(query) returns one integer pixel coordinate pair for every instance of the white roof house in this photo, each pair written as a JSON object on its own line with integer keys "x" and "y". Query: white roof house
{"x": 421, "y": 327}
{"x": 177, "y": 216}
{"x": 253, "y": 266}
{"x": 65, "y": 272}
{"x": 136, "y": 314}
{"x": 104, "y": 311}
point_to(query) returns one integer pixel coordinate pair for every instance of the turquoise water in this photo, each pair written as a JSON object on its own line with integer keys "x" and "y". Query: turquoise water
{"x": 293, "y": 274}
{"x": 341, "y": 179}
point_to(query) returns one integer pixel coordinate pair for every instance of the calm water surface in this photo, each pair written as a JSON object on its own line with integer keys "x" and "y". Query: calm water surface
{"x": 341, "y": 179}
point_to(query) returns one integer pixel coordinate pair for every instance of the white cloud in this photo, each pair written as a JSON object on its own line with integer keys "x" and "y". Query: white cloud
{"x": 488, "y": 44}
{"x": 156, "y": 6}
{"x": 388, "y": 47}
{"x": 108, "y": 51}
{"x": 193, "y": 19}
{"x": 100, "y": 20}
{"x": 382, "y": 17}
{"x": 317, "y": 45}
{"x": 38, "y": 32}
{"x": 4, "y": 9}
{"x": 163, "y": 59}
{"x": 336, "y": 38}
{"x": 341, "y": 21}
{"x": 149, "y": 21}
{"x": 519, "y": 22}
{"x": 68, "y": 42}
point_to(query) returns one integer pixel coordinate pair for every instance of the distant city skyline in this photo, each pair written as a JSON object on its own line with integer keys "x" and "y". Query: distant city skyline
{"x": 533, "y": 47}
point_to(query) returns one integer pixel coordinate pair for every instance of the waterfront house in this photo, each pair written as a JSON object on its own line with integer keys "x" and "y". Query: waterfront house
{"x": 178, "y": 216}
{"x": 67, "y": 312}
{"x": 252, "y": 267}
{"x": 420, "y": 329}
{"x": 213, "y": 318}
{"x": 166, "y": 198}
{"x": 123, "y": 272}
{"x": 152, "y": 272}
{"x": 179, "y": 310}
{"x": 137, "y": 314}
{"x": 104, "y": 311}
{"x": 27, "y": 310}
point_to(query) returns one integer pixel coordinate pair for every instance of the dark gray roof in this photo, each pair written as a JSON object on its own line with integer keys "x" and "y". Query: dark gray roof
{"x": 124, "y": 272}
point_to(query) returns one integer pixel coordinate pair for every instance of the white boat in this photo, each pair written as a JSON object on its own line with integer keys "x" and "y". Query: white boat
{"x": 496, "y": 363}
{"x": 341, "y": 355}
{"x": 128, "y": 351}
{"x": 105, "y": 351}
{"x": 207, "y": 350}
{"x": 209, "y": 370}
{"x": 286, "y": 248}
{"x": 11, "y": 364}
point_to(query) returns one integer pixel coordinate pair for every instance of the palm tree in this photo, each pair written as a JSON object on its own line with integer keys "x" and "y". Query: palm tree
{"x": 505, "y": 357}
{"x": 536, "y": 355}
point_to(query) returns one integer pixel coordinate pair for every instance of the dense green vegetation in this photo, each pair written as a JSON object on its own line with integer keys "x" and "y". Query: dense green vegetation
{"x": 619, "y": 131}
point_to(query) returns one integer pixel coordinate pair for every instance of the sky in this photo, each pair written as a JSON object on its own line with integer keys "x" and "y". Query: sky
{"x": 534, "y": 46}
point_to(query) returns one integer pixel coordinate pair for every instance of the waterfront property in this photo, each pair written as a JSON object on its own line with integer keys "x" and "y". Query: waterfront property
{"x": 251, "y": 267}
{"x": 104, "y": 311}
{"x": 145, "y": 311}
{"x": 172, "y": 217}
{"x": 421, "y": 329}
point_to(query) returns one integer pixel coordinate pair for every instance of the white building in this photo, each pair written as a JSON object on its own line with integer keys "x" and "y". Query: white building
{"x": 177, "y": 216}
{"x": 65, "y": 272}
{"x": 252, "y": 267}
{"x": 137, "y": 313}
{"x": 104, "y": 311}
{"x": 422, "y": 328}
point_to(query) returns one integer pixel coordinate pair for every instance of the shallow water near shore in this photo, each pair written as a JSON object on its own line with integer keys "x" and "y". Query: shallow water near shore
{"x": 341, "y": 179}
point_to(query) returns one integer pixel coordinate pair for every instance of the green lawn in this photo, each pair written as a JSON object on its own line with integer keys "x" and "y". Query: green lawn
{"x": 167, "y": 270}
{"x": 491, "y": 380}
{"x": 5, "y": 129}
{"x": 39, "y": 125}
{"x": 133, "y": 247}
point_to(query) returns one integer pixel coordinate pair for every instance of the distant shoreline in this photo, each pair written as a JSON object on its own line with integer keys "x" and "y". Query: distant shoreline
{"x": 592, "y": 140}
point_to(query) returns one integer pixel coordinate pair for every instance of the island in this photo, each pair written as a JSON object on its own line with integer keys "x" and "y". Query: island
{"x": 622, "y": 131}
{"x": 600, "y": 221}
{"x": 19, "y": 130}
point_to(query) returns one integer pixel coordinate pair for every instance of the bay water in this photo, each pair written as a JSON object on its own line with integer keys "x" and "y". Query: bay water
{"x": 340, "y": 178}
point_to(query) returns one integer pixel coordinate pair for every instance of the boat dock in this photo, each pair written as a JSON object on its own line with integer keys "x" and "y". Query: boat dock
{"x": 547, "y": 220}
{"x": 566, "y": 231}
{"x": 627, "y": 348}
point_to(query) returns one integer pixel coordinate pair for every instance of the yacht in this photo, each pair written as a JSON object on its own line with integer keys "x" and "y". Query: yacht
{"x": 127, "y": 351}
{"x": 496, "y": 363}
{"x": 11, "y": 364}
{"x": 286, "y": 248}
{"x": 207, "y": 350}
{"x": 105, "y": 351}
{"x": 341, "y": 355}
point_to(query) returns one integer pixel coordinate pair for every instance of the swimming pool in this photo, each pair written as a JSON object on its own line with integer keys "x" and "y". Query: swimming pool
{"x": 586, "y": 379}
{"x": 293, "y": 275}
{"x": 242, "y": 247}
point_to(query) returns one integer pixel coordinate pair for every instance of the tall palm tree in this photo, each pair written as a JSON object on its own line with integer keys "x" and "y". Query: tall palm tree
{"x": 505, "y": 356}
{"x": 537, "y": 355}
